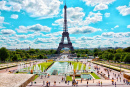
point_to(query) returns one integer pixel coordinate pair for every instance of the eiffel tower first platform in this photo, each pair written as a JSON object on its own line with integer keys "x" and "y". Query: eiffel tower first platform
{"x": 65, "y": 34}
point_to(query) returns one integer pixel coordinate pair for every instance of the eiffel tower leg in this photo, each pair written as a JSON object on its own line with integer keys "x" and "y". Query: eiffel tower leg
{"x": 68, "y": 39}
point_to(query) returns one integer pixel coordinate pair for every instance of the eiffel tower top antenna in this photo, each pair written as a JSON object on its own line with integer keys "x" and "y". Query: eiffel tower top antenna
{"x": 65, "y": 19}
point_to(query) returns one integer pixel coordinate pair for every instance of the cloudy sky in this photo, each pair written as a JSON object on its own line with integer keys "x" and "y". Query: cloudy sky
{"x": 39, "y": 23}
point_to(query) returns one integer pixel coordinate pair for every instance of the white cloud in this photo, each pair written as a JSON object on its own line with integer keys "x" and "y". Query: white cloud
{"x": 100, "y": 7}
{"x": 33, "y": 28}
{"x": 99, "y": 4}
{"x": 128, "y": 26}
{"x": 17, "y": 7}
{"x": 107, "y": 34}
{"x": 21, "y": 36}
{"x": 1, "y": 19}
{"x": 96, "y": 2}
{"x": 107, "y": 14}
{"x": 7, "y": 32}
{"x": 37, "y": 8}
{"x": 86, "y": 38}
{"x": 42, "y": 40}
{"x": 116, "y": 26}
{"x": 3, "y": 6}
{"x": 83, "y": 30}
{"x": 14, "y": 16}
{"x": 75, "y": 13}
{"x": 124, "y": 10}
{"x": 93, "y": 18}
{"x": 2, "y": 22}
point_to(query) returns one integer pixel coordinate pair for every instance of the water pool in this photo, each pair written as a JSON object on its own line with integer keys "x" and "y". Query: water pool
{"x": 86, "y": 76}
{"x": 59, "y": 66}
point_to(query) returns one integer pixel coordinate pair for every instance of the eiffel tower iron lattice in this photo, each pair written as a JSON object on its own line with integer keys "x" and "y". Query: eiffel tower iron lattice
{"x": 65, "y": 34}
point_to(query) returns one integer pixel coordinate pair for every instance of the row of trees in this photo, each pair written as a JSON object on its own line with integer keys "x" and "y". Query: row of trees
{"x": 118, "y": 55}
{"x": 7, "y": 55}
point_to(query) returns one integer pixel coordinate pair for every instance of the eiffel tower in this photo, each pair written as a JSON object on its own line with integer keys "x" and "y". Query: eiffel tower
{"x": 65, "y": 34}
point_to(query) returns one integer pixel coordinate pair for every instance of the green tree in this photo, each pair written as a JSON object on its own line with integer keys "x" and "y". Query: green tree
{"x": 4, "y": 54}
{"x": 95, "y": 54}
{"x": 100, "y": 56}
{"x": 45, "y": 57}
{"x": 40, "y": 56}
{"x": 32, "y": 51}
{"x": 127, "y": 58}
{"x": 127, "y": 49}
{"x": 78, "y": 55}
{"x": 117, "y": 56}
{"x": 86, "y": 51}
{"x": 105, "y": 56}
{"x": 119, "y": 50}
{"x": 16, "y": 57}
{"x": 110, "y": 56}
{"x": 122, "y": 57}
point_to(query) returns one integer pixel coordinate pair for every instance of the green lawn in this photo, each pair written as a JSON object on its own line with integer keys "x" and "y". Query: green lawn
{"x": 68, "y": 78}
{"x": 95, "y": 76}
{"x": 44, "y": 64}
{"x": 76, "y": 63}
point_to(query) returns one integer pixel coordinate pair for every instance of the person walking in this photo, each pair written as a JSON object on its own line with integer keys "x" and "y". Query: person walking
{"x": 49, "y": 83}
{"x": 54, "y": 83}
{"x": 81, "y": 80}
{"x": 101, "y": 83}
{"x": 120, "y": 79}
{"x": 68, "y": 82}
{"x": 93, "y": 80}
{"x": 115, "y": 84}
{"x": 117, "y": 78}
{"x": 43, "y": 83}
{"x": 77, "y": 83}
{"x": 31, "y": 83}
{"x": 87, "y": 83}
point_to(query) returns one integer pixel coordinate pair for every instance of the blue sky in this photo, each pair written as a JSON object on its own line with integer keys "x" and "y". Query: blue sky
{"x": 39, "y": 23}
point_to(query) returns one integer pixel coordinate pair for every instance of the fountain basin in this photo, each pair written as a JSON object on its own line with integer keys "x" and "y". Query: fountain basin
{"x": 86, "y": 76}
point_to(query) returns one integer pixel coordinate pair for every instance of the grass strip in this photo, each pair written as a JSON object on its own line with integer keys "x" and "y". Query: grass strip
{"x": 68, "y": 78}
{"x": 95, "y": 76}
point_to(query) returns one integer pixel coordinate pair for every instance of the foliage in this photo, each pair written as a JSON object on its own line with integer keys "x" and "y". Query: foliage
{"x": 119, "y": 50}
{"x": 117, "y": 56}
{"x": 105, "y": 55}
{"x": 95, "y": 76}
{"x": 127, "y": 49}
{"x": 40, "y": 56}
{"x": 68, "y": 78}
{"x": 127, "y": 58}
{"x": 110, "y": 56}
{"x": 78, "y": 55}
{"x": 4, "y": 54}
